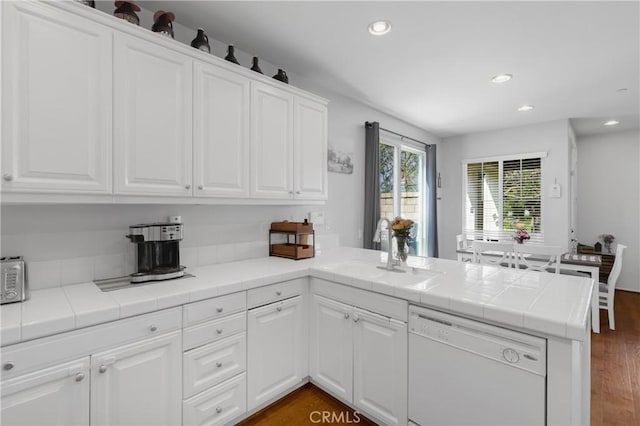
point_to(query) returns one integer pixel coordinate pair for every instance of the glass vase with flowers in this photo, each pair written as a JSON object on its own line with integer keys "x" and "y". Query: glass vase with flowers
{"x": 401, "y": 230}
{"x": 520, "y": 234}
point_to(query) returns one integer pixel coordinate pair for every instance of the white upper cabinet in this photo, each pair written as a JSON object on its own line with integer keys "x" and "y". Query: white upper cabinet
{"x": 56, "y": 85}
{"x": 310, "y": 149}
{"x": 271, "y": 142}
{"x": 153, "y": 119}
{"x": 221, "y": 132}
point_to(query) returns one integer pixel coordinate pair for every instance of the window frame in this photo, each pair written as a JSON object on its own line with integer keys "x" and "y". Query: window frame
{"x": 539, "y": 236}
{"x": 399, "y": 145}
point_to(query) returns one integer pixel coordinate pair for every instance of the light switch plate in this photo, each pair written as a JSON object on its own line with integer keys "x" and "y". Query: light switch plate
{"x": 317, "y": 218}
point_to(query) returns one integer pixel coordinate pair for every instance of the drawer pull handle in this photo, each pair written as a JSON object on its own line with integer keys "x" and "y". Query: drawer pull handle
{"x": 218, "y": 364}
{"x": 8, "y": 366}
{"x": 346, "y": 315}
{"x": 187, "y": 186}
{"x": 102, "y": 369}
{"x": 153, "y": 328}
{"x": 219, "y": 410}
{"x": 279, "y": 308}
{"x": 278, "y": 293}
{"x": 200, "y": 187}
{"x": 219, "y": 310}
{"x": 79, "y": 377}
{"x": 219, "y": 331}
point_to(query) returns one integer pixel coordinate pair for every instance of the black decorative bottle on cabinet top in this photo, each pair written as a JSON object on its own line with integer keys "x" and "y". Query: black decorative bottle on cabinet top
{"x": 281, "y": 76}
{"x": 127, "y": 10}
{"x": 255, "y": 67}
{"x": 201, "y": 42}
{"x": 230, "y": 55}
{"x": 90, "y": 3}
{"x": 163, "y": 23}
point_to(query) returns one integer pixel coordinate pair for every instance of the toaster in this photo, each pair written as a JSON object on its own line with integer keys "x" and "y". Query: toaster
{"x": 13, "y": 278}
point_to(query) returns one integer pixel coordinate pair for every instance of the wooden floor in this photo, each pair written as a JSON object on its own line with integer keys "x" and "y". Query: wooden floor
{"x": 306, "y": 406}
{"x": 615, "y": 365}
{"x": 615, "y": 380}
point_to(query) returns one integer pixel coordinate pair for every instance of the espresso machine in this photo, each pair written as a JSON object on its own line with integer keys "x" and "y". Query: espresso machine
{"x": 157, "y": 251}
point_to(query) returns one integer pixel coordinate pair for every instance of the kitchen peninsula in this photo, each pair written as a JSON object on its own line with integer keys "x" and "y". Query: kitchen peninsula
{"x": 263, "y": 322}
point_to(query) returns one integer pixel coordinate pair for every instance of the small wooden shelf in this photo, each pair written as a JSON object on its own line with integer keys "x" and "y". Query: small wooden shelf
{"x": 297, "y": 245}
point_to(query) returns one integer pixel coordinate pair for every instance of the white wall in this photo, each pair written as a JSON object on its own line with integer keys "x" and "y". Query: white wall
{"x": 608, "y": 196}
{"x": 551, "y": 137}
{"x": 95, "y": 233}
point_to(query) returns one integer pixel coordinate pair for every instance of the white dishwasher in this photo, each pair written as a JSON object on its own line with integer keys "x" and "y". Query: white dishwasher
{"x": 463, "y": 372}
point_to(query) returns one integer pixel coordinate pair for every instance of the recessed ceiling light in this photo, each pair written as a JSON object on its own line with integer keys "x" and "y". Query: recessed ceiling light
{"x": 501, "y": 78}
{"x": 379, "y": 27}
{"x": 611, "y": 123}
{"x": 525, "y": 108}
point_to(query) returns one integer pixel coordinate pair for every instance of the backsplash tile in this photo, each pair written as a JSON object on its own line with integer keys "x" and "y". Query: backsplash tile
{"x": 43, "y": 274}
{"x": 77, "y": 270}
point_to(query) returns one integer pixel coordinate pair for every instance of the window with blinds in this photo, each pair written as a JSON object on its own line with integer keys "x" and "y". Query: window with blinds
{"x": 501, "y": 193}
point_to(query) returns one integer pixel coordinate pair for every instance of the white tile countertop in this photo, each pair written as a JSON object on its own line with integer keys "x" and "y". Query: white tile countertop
{"x": 549, "y": 304}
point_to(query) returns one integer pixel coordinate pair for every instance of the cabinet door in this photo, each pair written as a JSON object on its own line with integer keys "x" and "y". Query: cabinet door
{"x": 271, "y": 142}
{"x": 54, "y": 396}
{"x": 310, "y": 150}
{"x": 380, "y": 367}
{"x": 276, "y": 349}
{"x": 331, "y": 349}
{"x": 153, "y": 119}
{"x": 221, "y": 159}
{"x": 56, "y": 101}
{"x": 138, "y": 384}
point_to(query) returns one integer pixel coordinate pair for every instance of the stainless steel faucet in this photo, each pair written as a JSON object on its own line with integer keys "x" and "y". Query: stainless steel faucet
{"x": 376, "y": 239}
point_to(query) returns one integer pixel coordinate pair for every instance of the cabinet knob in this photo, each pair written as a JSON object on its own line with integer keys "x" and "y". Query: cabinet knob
{"x": 219, "y": 410}
{"x": 218, "y": 364}
{"x": 8, "y": 177}
{"x": 79, "y": 377}
{"x": 102, "y": 369}
{"x": 290, "y": 192}
{"x": 278, "y": 293}
{"x": 187, "y": 186}
{"x": 356, "y": 319}
{"x": 279, "y": 308}
{"x": 219, "y": 310}
{"x": 200, "y": 187}
{"x": 8, "y": 366}
{"x": 297, "y": 192}
{"x": 153, "y": 328}
{"x": 346, "y": 315}
{"x": 219, "y": 331}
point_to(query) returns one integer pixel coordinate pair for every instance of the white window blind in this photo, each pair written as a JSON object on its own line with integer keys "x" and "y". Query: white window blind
{"x": 500, "y": 193}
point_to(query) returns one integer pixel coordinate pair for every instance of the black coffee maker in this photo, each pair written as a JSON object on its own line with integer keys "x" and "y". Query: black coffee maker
{"x": 157, "y": 251}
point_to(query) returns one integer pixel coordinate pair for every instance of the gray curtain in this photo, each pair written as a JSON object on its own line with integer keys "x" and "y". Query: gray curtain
{"x": 432, "y": 193}
{"x": 371, "y": 183}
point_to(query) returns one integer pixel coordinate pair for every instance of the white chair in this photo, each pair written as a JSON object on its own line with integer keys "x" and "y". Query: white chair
{"x": 461, "y": 242}
{"x": 535, "y": 257}
{"x": 498, "y": 253}
{"x": 607, "y": 291}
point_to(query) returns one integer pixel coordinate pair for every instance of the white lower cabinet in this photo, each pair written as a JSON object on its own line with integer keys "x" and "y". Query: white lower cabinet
{"x": 360, "y": 357}
{"x": 218, "y": 405}
{"x": 277, "y": 355}
{"x": 138, "y": 383}
{"x": 57, "y": 395}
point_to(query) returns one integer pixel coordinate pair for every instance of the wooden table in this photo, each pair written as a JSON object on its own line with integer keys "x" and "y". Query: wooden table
{"x": 570, "y": 264}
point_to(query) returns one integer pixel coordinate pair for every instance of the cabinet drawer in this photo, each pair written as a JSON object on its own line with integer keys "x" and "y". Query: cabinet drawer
{"x": 369, "y": 300}
{"x": 211, "y": 331}
{"x": 273, "y": 293}
{"x": 50, "y": 350}
{"x": 211, "y": 364}
{"x": 214, "y": 308}
{"x": 218, "y": 405}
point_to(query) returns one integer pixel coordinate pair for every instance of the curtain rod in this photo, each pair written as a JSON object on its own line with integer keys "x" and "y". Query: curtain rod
{"x": 404, "y": 137}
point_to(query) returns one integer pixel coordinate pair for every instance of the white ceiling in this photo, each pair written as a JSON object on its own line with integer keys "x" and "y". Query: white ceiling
{"x": 434, "y": 68}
